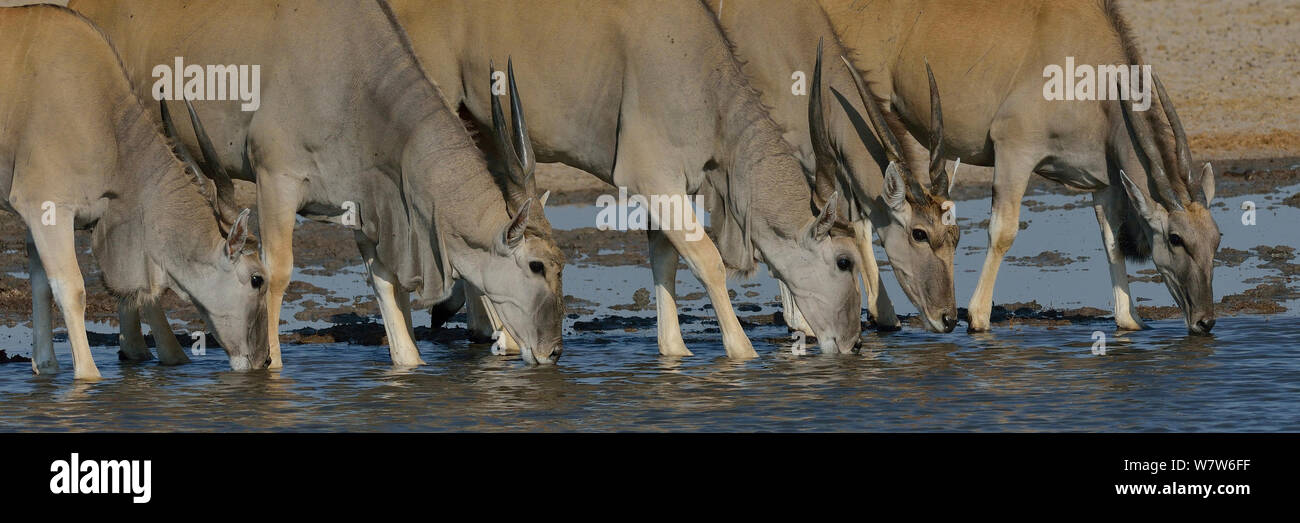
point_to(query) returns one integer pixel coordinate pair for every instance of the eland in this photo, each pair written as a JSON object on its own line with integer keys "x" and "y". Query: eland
{"x": 648, "y": 96}
{"x": 875, "y": 173}
{"x": 348, "y": 120}
{"x": 995, "y": 58}
{"x": 79, "y": 150}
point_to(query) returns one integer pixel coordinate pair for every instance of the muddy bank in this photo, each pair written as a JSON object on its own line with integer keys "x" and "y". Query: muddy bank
{"x": 591, "y": 246}
{"x": 355, "y": 330}
{"x": 6, "y": 358}
{"x": 1263, "y": 299}
{"x": 369, "y": 333}
{"x": 1044, "y": 259}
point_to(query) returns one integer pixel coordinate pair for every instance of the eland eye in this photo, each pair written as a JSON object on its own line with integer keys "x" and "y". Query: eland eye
{"x": 1175, "y": 240}
{"x": 920, "y": 235}
{"x": 536, "y": 267}
{"x": 844, "y": 263}
{"x": 257, "y": 281}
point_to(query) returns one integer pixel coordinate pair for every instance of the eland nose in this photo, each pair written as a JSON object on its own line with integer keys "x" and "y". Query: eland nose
{"x": 949, "y": 322}
{"x": 267, "y": 363}
{"x": 550, "y": 358}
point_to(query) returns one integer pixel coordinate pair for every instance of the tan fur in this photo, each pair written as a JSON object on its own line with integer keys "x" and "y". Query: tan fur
{"x": 369, "y": 128}
{"x": 74, "y": 134}
{"x": 990, "y": 57}
{"x": 649, "y": 96}
{"x": 776, "y": 38}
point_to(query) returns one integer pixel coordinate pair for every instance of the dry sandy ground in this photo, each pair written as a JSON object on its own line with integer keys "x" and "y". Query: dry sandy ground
{"x": 1231, "y": 68}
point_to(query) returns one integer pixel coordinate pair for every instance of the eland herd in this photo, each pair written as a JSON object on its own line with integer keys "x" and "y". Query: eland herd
{"x": 806, "y": 126}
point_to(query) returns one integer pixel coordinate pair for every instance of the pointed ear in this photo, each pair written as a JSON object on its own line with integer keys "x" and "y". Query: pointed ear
{"x": 545, "y": 196}
{"x": 1135, "y": 195}
{"x": 822, "y": 225}
{"x": 239, "y": 232}
{"x": 1207, "y": 184}
{"x": 895, "y": 188}
{"x": 513, "y": 234}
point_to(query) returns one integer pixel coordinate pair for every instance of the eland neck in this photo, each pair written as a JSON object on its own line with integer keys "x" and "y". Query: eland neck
{"x": 161, "y": 210}
{"x": 450, "y": 197}
{"x": 754, "y": 154}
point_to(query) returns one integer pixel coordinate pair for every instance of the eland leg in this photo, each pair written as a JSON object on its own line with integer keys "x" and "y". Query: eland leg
{"x": 663, "y": 264}
{"x": 403, "y": 301}
{"x": 169, "y": 349}
{"x": 878, "y": 304}
{"x": 641, "y": 169}
{"x": 278, "y": 198}
{"x": 57, "y": 251}
{"x": 705, "y": 262}
{"x": 1110, "y": 217}
{"x": 442, "y": 311}
{"x": 401, "y": 345}
{"x": 130, "y": 340}
{"x": 43, "y": 359}
{"x": 476, "y": 316}
{"x": 1010, "y": 178}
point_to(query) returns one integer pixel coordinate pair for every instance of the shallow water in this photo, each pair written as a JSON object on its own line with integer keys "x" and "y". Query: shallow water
{"x": 1019, "y": 378}
{"x": 1244, "y": 378}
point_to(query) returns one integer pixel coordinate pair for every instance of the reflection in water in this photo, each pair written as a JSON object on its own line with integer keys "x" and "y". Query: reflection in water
{"x": 1023, "y": 378}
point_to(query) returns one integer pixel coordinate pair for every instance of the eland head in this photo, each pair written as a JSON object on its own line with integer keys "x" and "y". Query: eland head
{"x": 523, "y": 284}
{"x": 1179, "y": 229}
{"x": 225, "y": 281}
{"x": 920, "y": 243}
{"x": 822, "y": 274}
